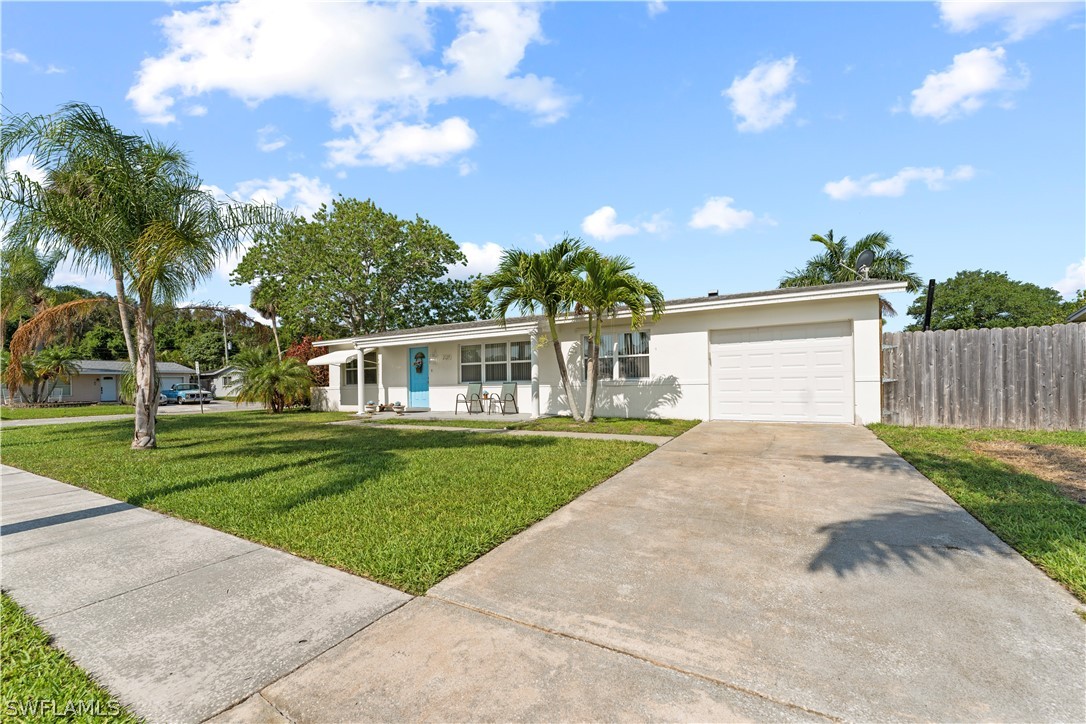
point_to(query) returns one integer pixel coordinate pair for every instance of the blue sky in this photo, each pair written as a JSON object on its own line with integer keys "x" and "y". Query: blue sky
{"x": 707, "y": 141}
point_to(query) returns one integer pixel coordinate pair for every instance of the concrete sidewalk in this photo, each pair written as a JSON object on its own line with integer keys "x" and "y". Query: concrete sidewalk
{"x": 651, "y": 439}
{"x": 179, "y": 621}
{"x": 211, "y": 408}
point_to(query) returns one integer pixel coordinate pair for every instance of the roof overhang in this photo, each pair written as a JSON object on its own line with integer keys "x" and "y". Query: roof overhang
{"x": 336, "y": 357}
{"x": 520, "y": 328}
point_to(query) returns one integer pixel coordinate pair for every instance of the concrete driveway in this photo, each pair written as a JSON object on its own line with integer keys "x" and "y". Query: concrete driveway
{"x": 742, "y": 571}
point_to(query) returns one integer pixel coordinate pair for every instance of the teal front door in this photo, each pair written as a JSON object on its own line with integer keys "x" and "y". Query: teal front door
{"x": 418, "y": 377}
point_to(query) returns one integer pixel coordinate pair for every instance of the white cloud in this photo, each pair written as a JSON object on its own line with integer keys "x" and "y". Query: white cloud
{"x": 400, "y": 145}
{"x": 1074, "y": 278}
{"x": 718, "y": 214}
{"x": 373, "y": 65}
{"x": 603, "y": 224}
{"x": 28, "y": 166}
{"x": 658, "y": 223}
{"x": 269, "y": 139}
{"x": 196, "y": 110}
{"x": 301, "y": 193}
{"x": 466, "y": 166}
{"x": 760, "y": 99}
{"x": 1018, "y": 19}
{"x": 15, "y": 56}
{"x": 482, "y": 259}
{"x": 96, "y": 281}
{"x": 655, "y": 7}
{"x": 871, "y": 185}
{"x": 251, "y": 313}
{"x": 961, "y": 88}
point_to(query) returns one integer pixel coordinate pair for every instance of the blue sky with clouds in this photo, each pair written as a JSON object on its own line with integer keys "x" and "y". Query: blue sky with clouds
{"x": 707, "y": 141}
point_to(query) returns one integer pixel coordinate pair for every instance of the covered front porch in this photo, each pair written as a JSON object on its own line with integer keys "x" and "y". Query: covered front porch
{"x": 426, "y": 374}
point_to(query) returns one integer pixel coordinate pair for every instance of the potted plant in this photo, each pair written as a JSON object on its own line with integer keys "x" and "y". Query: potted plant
{"x": 397, "y": 407}
{"x": 371, "y": 406}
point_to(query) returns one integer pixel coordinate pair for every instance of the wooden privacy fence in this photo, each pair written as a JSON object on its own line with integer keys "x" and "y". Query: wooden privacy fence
{"x": 1025, "y": 377}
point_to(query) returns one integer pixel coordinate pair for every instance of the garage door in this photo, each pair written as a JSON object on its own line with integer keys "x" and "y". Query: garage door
{"x": 799, "y": 373}
{"x": 168, "y": 382}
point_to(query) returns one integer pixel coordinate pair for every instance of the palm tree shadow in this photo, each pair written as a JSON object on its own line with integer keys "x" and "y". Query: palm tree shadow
{"x": 911, "y": 540}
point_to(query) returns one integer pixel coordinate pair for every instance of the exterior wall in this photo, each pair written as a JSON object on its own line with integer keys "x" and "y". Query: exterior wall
{"x": 86, "y": 389}
{"x": 680, "y": 380}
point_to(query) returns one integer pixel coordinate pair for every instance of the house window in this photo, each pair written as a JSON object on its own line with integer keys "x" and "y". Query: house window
{"x": 471, "y": 363}
{"x": 622, "y": 356}
{"x": 520, "y": 361}
{"x": 496, "y": 362}
{"x": 63, "y": 389}
{"x": 227, "y": 381}
{"x": 369, "y": 371}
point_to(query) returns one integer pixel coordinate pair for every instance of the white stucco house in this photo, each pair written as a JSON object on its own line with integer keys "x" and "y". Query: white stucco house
{"x": 224, "y": 382}
{"x": 809, "y": 354}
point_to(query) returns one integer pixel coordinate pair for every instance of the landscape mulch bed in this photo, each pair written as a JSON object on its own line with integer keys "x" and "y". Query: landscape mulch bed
{"x": 1062, "y": 465}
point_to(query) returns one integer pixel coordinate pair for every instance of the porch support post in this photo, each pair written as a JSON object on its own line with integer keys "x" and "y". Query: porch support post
{"x": 535, "y": 372}
{"x": 359, "y": 386}
{"x": 382, "y": 398}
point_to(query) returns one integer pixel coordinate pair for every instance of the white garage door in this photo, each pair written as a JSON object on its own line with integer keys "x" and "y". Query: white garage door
{"x": 799, "y": 373}
{"x": 168, "y": 382}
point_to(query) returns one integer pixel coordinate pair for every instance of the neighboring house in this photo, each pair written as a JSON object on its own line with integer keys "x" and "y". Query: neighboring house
{"x": 809, "y": 354}
{"x": 223, "y": 382}
{"x": 1079, "y": 316}
{"x": 100, "y": 380}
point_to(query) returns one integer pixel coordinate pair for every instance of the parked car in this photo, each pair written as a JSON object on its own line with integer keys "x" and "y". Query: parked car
{"x": 162, "y": 399}
{"x": 187, "y": 392}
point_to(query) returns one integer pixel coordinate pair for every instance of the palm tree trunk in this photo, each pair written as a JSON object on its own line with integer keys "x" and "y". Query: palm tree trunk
{"x": 593, "y": 374}
{"x": 122, "y": 309}
{"x": 146, "y": 401}
{"x": 562, "y": 371}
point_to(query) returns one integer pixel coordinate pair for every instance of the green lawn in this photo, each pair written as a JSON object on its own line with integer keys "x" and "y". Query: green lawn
{"x": 1022, "y": 509}
{"x": 614, "y": 425}
{"x": 405, "y": 508}
{"x": 37, "y": 413}
{"x": 40, "y": 683}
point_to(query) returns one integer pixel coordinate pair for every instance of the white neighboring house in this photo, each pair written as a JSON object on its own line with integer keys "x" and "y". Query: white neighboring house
{"x": 808, "y": 354}
{"x": 223, "y": 382}
{"x": 100, "y": 380}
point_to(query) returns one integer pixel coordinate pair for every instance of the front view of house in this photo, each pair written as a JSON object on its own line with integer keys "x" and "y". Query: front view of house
{"x": 808, "y": 354}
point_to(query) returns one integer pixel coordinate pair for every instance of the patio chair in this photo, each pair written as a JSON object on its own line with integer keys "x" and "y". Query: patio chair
{"x": 508, "y": 397}
{"x": 474, "y": 396}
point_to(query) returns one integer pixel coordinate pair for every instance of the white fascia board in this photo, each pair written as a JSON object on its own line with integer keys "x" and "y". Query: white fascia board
{"x": 452, "y": 335}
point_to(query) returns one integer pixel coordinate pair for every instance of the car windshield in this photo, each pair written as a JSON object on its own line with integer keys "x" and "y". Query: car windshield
{"x": 181, "y": 388}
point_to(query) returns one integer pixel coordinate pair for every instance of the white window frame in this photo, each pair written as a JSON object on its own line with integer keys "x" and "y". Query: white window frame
{"x": 350, "y": 369}
{"x": 62, "y": 390}
{"x": 615, "y": 356}
{"x": 507, "y": 363}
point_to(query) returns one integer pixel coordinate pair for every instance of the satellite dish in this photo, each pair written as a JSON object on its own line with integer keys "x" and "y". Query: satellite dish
{"x": 864, "y": 262}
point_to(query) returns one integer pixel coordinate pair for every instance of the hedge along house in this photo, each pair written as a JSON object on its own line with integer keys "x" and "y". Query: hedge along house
{"x": 808, "y": 354}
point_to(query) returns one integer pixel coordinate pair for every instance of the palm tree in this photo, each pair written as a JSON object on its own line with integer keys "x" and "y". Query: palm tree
{"x": 838, "y": 264}
{"x": 608, "y": 284}
{"x": 276, "y": 384}
{"x": 24, "y": 283}
{"x": 534, "y": 283}
{"x": 264, "y": 298}
{"x": 123, "y": 203}
{"x": 54, "y": 365}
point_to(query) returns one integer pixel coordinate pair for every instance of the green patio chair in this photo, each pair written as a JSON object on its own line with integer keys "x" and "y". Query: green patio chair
{"x": 508, "y": 397}
{"x": 473, "y": 397}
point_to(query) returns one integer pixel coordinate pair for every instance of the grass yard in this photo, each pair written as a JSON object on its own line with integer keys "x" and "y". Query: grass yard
{"x": 613, "y": 425}
{"x": 405, "y": 508}
{"x": 38, "y": 413}
{"x": 40, "y": 683}
{"x": 1026, "y": 510}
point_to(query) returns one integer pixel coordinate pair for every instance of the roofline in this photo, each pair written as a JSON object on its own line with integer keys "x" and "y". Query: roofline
{"x": 1075, "y": 316}
{"x": 519, "y": 325}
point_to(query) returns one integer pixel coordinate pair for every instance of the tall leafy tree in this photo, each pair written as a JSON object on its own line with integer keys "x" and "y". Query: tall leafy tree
{"x": 837, "y": 263}
{"x": 129, "y": 205}
{"x": 980, "y": 299}
{"x": 607, "y": 285}
{"x": 354, "y": 269}
{"x": 538, "y": 283}
{"x": 264, "y": 298}
{"x": 25, "y": 274}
